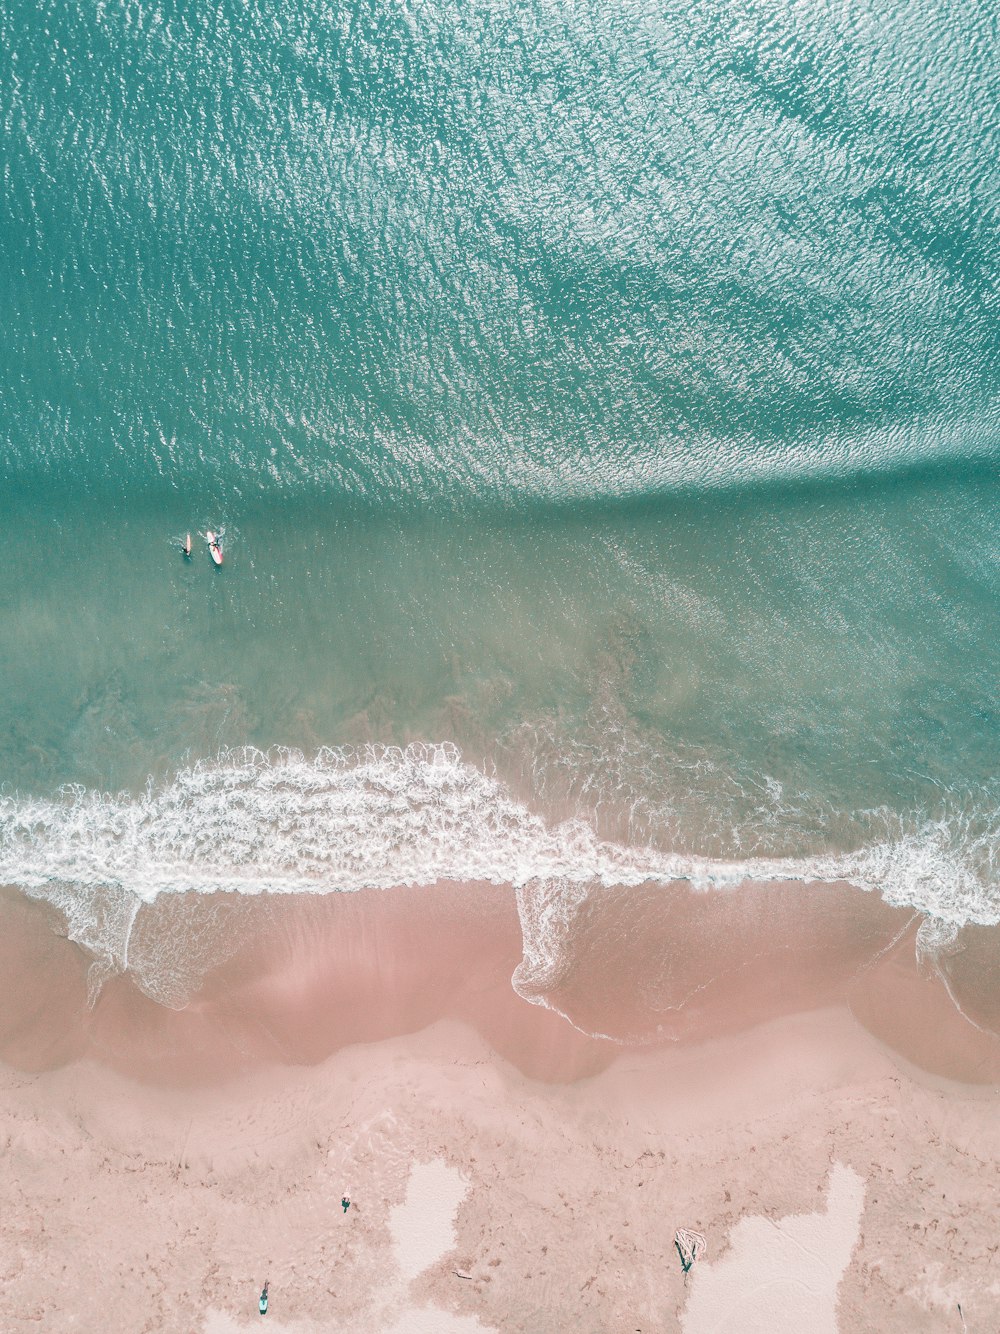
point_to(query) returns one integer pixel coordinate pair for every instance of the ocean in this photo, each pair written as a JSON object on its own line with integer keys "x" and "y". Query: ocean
{"x": 599, "y": 404}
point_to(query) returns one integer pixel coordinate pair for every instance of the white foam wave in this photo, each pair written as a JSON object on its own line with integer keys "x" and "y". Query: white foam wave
{"x": 375, "y": 817}
{"x": 345, "y": 820}
{"x": 281, "y": 823}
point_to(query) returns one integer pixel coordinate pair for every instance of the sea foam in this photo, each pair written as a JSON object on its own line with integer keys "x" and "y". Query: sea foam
{"x": 377, "y": 817}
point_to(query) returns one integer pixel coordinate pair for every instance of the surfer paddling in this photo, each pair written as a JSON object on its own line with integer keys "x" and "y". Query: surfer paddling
{"x": 214, "y": 541}
{"x": 186, "y": 547}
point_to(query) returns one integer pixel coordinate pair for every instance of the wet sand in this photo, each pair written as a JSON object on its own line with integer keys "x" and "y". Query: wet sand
{"x": 293, "y": 979}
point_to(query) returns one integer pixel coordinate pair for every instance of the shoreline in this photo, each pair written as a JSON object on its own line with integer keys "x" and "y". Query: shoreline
{"x": 291, "y": 980}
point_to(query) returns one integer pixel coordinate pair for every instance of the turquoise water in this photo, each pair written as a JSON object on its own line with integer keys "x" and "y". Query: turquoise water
{"x": 494, "y": 251}
{"x": 610, "y": 393}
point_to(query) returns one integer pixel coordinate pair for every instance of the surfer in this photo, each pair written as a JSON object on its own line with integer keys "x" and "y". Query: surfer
{"x": 186, "y": 547}
{"x": 262, "y": 1304}
{"x": 214, "y": 541}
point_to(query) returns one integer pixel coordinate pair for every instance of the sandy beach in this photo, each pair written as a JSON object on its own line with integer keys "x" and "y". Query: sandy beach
{"x": 499, "y": 659}
{"x": 506, "y": 1172}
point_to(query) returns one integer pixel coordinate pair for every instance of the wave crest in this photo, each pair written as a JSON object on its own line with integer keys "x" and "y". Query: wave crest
{"x": 377, "y": 817}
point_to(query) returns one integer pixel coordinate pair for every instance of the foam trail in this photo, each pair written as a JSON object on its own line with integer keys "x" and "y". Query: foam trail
{"x": 281, "y": 823}
{"x": 381, "y": 816}
{"x": 346, "y": 820}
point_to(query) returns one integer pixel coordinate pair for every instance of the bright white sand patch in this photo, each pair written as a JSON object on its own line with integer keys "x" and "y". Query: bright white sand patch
{"x": 780, "y": 1277}
{"x": 423, "y": 1226}
{"x": 423, "y": 1230}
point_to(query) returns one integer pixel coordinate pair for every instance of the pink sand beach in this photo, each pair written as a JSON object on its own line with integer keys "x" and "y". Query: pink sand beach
{"x": 777, "y": 1074}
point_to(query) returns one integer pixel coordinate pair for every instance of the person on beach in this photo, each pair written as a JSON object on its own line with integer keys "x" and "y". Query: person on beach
{"x": 262, "y": 1304}
{"x": 346, "y": 1202}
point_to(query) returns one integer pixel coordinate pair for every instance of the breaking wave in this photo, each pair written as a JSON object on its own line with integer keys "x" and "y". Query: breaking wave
{"x": 376, "y": 817}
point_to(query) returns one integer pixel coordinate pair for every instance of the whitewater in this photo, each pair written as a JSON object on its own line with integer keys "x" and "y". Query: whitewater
{"x": 251, "y": 823}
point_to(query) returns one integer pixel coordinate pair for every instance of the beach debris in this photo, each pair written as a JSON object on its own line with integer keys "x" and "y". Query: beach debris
{"x": 962, "y": 1314}
{"x": 460, "y": 1273}
{"x": 691, "y": 1246}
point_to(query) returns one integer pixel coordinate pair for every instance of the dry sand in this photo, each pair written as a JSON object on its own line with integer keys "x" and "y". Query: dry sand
{"x": 781, "y": 1274}
{"x": 167, "y": 1210}
{"x": 507, "y": 1172}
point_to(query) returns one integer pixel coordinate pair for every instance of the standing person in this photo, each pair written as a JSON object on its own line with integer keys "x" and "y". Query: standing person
{"x": 346, "y": 1201}
{"x": 262, "y": 1304}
